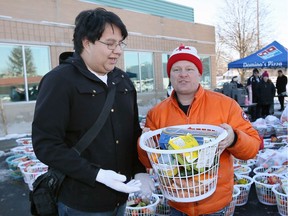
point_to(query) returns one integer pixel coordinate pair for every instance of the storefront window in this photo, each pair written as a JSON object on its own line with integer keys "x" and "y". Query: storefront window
{"x": 206, "y": 75}
{"x": 21, "y": 68}
{"x": 164, "y": 70}
{"x": 139, "y": 66}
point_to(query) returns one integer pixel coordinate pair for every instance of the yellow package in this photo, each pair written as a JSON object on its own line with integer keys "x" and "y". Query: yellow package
{"x": 184, "y": 142}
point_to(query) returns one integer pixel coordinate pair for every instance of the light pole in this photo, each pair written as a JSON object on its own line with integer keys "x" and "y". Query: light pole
{"x": 258, "y": 32}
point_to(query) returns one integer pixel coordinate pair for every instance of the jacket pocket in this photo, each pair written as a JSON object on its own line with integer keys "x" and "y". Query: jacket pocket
{"x": 125, "y": 90}
{"x": 90, "y": 90}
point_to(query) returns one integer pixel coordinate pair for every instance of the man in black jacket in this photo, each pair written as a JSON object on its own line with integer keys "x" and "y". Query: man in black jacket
{"x": 281, "y": 83}
{"x": 70, "y": 99}
{"x": 254, "y": 81}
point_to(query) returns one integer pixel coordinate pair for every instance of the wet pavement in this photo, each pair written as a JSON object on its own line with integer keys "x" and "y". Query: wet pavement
{"x": 14, "y": 193}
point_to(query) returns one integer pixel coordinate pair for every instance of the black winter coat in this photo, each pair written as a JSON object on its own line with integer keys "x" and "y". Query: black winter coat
{"x": 70, "y": 100}
{"x": 266, "y": 92}
{"x": 254, "y": 82}
{"x": 281, "y": 83}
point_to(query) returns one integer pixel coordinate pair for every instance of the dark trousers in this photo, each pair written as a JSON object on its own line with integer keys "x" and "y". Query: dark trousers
{"x": 265, "y": 110}
{"x": 281, "y": 101}
{"x": 255, "y": 112}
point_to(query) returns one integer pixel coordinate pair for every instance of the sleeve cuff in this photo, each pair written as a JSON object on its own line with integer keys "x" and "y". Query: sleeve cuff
{"x": 234, "y": 141}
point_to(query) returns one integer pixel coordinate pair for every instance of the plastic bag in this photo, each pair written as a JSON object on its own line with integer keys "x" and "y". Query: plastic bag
{"x": 284, "y": 115}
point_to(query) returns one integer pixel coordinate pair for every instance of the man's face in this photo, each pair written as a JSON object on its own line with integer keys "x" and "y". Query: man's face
{"x": 185, "y": 77}
{"x": 256, "y": 74}
{"x": 97, "y": 56}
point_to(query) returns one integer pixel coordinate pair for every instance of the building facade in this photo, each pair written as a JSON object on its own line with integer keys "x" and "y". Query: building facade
{"x": 34, "y": 33}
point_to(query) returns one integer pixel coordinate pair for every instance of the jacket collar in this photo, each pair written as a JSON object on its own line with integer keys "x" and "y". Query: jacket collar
{"x": 77, "y": 61}
{"x": 199, "y": 94}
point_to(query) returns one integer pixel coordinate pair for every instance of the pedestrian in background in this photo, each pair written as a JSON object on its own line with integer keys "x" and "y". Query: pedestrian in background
{"x": 190, "y": 103}
{"x": 254, "y": 81}
{"x": 70, "y": 99}
{"x": 281, "y": 83}
{"x": 266, "y": 92}
{"x": 236, "y": 81}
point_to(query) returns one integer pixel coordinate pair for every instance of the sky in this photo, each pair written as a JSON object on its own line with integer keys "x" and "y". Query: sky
{"x": 278, "y": 15}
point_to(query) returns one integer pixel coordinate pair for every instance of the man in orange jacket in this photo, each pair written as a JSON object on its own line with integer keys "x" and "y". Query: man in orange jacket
{"x": 190, "y": 103}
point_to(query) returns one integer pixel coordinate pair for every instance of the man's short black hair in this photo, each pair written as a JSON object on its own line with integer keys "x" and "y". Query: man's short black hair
{"x": 90, "y": 24}
{"x": 255, "y": 70}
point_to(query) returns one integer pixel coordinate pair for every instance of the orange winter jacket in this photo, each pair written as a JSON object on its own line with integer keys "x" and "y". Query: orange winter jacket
{"x": 212, "y": 108}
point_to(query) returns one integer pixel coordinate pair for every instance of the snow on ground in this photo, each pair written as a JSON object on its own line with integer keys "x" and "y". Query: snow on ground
{"x": 13, "y": 136}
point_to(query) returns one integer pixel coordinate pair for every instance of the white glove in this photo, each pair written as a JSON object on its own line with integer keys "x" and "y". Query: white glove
{"x": 148, "y": 185}
{"x": 116, "y": 181}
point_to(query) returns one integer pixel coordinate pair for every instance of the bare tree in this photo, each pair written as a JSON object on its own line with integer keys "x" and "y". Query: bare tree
{"x": 237, "y": 31}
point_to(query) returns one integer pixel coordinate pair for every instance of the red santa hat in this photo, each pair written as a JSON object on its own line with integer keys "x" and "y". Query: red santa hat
{"x": 187, "y": 53}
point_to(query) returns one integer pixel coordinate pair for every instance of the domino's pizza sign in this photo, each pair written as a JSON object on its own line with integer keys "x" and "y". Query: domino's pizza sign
{"x": 270, "y": 52}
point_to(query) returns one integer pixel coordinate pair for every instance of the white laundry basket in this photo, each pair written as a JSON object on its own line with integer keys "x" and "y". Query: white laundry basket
{"x": 242, "y": 198}
{"x": 281, "y": 199}
{"x": 264, "y": 188}
{"x": 147, "y": 210}
{"x": 180, "y": 180}
{"x": 232, "y": 205}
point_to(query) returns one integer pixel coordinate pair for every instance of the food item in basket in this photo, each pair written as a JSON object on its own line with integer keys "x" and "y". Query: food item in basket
{"x": 198, "y": 170}
{"x": 139, "y": 204}
{"x": 180, "y": 159}
{"x": 241, "y": 169}
{"x": 21, "y": 159}
{"x": 154, "y": 157}
{"x": 192, "y": 186}
{"x": 185, "y": 193}
{"x": 240, "y": 180}
{"x": 269, "y": 179}
{"x": 184, "y": 142}
{"x": 166, "y": 159}
{"x": 273, "y": 180}
{"x": 275, "y": 139}
{"x": 193, "y": 180}
{"x": 170, "y": 133}
{"x": 167, "y": 165}
{"x": 24, "y": 141}
{"x": 166, "y": 170}
{"x": 284, "y": 185}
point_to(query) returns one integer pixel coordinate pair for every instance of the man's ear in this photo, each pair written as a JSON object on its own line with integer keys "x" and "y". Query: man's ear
{"x": 86, "y": 43}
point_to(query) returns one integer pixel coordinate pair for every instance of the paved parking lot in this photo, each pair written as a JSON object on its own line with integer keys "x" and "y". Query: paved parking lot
{"x": 14, "y": 193}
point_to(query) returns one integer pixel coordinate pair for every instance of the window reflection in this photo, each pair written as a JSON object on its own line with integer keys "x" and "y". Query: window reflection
{"x": 206, "y": 75}
{"x": 21, "y": 69}
{"x": 165, "y": 58}
{"x": 139, "y": 66}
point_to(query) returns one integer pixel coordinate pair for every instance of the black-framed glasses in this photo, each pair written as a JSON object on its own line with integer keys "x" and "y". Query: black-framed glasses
{"x": 113, "y": 45}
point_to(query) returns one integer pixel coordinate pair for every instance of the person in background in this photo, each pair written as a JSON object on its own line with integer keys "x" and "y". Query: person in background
{"x": 169, "y": 89}
{"x": 190, "y": 103}
{"x": 236, "y": 81}
{"x": 266, "y": 93}
{"x": 281, "y": 83}
{"x": 70, "y": 99}
{"x": 254, "y": 81}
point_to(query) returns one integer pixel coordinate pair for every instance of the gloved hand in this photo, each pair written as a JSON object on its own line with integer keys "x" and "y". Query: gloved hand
{"x": 148, "y": 185}
{"x": 116, "y": 181}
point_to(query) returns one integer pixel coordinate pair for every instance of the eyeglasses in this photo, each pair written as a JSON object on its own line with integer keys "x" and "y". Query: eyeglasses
{"x": 113, "y": 45}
